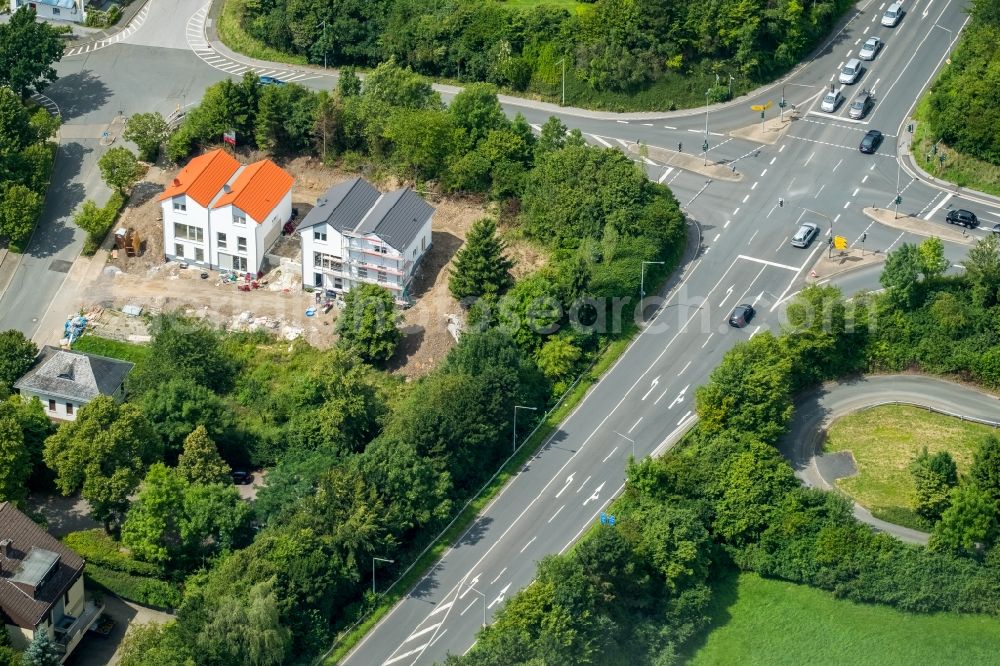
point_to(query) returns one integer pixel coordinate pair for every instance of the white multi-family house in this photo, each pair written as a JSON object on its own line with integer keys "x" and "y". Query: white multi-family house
{"x": 356, "y": 234}
{"x": 60, "y": 10}
{"x": 222, "y": 215}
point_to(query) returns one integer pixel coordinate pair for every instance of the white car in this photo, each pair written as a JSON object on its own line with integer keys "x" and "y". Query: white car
{"x": 870, "y": 48}
{"x": 851, "y": 71}
{"x": 892, "y": 15}
{"x": 831, "y": 101}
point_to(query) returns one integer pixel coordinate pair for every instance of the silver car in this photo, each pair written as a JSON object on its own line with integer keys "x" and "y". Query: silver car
{"x": 871, "y": 47}
{"x": 892, "y": 15}
{"x": 831, "y": 101}
{"x": 860, "y": 104}
{"x": 851, "y": 71}
{"x": 805, "y": 235}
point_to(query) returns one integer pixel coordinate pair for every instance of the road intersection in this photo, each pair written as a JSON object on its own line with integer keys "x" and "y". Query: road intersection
{"x": 740, "y": 254}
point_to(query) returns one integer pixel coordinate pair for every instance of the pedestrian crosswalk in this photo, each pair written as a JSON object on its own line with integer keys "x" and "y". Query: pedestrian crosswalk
{"x": 195, "y": 33}
{"x": 46, "y": 103}
{"x": 116, "y": 38}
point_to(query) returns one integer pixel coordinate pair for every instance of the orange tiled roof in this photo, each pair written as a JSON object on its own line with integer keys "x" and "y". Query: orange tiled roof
{"x": 203, "y": 177}
{"x": 258, "y": 189}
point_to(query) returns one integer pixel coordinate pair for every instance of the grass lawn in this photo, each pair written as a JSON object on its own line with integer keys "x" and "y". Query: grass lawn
{"x": 126, "y": 351}
{"x": 767, "y": 622}
{"x": 884, "y": 441}
{"x": 963, "y": 170}
{"x": 568, "y": 5}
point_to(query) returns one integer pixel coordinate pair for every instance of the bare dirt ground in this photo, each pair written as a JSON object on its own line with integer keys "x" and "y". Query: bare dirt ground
{"x": 280, "y": 305}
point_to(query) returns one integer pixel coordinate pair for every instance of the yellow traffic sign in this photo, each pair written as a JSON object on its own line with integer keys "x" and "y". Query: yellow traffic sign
{"x": 839, "y": 243}
{"x": 762, "y": 107}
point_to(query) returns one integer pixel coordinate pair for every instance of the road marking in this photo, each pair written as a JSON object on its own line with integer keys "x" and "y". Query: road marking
{"x": 684, "y": 368}
{"x": 707, "y": 340}
{"x": 648, "y": 124}
{"x": 836, "y": 218}
{"x": 876, "y": 84}
{"x": 838, "y": 164}
{"x": 756, "y": 231}
{"x": 847, "y": 204}
{"x": 594, "y": 497}
{"x": 472, "y": 584}
{"x": 809, "y": 158}
{"x": 772, "y": 160}
{"x": 938, "y": 207}
{"x": 404, "y": 655}
{"x": 442, "y": 607}
{"x": 762, "y": 173}
{"x": 736, "y": 211}
{"x": 550, "y": 520}
{"x": 819, "y": 191}
{"x": 768, "y": 263}
{"x": 680, "y": 396}
{"x": 500, "y": 596}
{"x": 867, "y": 27}
{"x": 608, "y": 456}
{"x": 652, "y": 385}
{"x": 657, "y": 401}
{"x": 755, "y": 332}
{"x": 716, "y": 237}
{"x": 569, "y": 480}
{"x": 894, "y": 242}
{"x": 865, "y": 179}
{"x": 927, "y": 9}
{"x": 795, "y": 277}
{"x": 723, "y": 301}
{"x": 583, "y": 484}
{"x": 684, "y": 417}
{"x": 471, "y": 604}
{"x": 781, "y": 148}
{"x": 781, "y": 244}
{"x": 600, "y": 140}
{"x": 841, "y": 65}
{"x": 498, "y": 576}
{"x": 622, "y": 122}
{"x": 417, "y": 634}
{"x": 629, "y": 431}
{"x": 745, "y": 198}
{"x": 858, "y": 41}
{"x": 671, "y": 127}
{"x": 526, "y": 545}
{"x": 754, "y": 186}
{"x": 623, "y": 142}
{"x": 856, "y": 190}
{"x": 726, "y": 224}
{"x": 665, "y": 174}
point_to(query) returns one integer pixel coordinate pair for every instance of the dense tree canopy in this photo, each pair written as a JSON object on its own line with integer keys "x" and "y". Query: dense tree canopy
{"x": 17, "y": 355}
{"x": 368, "y": 323}
{"x": 28, "y": 49}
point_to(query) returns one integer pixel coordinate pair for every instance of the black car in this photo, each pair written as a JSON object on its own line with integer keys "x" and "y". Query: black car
{"x": 271, "y": 81}
{"x": 871, "y": 142}
{"x": 241, "y": 477}
{"x": 964, "y": 217}
{"x": 742, "y": 314}
{"x": 996, "y": 229}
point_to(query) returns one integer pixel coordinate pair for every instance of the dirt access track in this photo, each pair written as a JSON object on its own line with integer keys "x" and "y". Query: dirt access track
{"x": 280, "y": 304}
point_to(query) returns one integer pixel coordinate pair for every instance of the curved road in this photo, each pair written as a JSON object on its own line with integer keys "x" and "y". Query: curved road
{"x": 817, "y": 409}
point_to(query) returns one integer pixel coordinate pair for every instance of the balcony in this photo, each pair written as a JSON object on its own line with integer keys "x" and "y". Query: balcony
{"x": 69, "y": 630}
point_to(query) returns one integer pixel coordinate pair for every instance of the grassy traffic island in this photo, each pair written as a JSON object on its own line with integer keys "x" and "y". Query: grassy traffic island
{"x": 884, "y": 441}
{"x": 760, "y": 621}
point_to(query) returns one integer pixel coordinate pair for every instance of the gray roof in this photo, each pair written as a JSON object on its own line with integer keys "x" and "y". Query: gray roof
{"x": 397, "y": 218}
{"x": 343, "y": 206}
{"x": 74, "y": 375}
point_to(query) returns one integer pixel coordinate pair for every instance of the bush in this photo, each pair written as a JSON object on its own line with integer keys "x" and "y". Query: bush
{"x": 97, "y": 221}
{"x": 99, "y": 19}
{"x": 100, "y": 549}
{"x": 140, "y": 589}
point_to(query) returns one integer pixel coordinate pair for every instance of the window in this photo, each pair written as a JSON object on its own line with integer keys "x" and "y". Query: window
{"x": 240, "y": 264}
{"x": 239, "y": 217}
{"x": 382, "y": 249}
{"x": 423, "y": 243}
{"x": 414, "y": 253}
{"x": 362, "y": 273}
{"x": 69, "y": 408}
{"x": 327, "y": 261}
{"x": 199, "y": 254}
{"x": 187, "y": 232}
{"x": 318, "y": 279}
{"x": 66, "y": 598}
{"x": 221, "y": 237}
{"x": 338, "y": 283}
{"x": 179, "y": 250}
{"x": 319, "y": 235}
{"x": 180, "y": 205}
{"x": 55, "y": 11}
{"x": 241, "y": 244}
{"x": 381, "y": 276}
{"x": 52, "y": 405}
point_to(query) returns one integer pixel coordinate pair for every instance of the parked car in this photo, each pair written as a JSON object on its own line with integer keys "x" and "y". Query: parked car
{"x": 871, "y": 47}
{"x": 892, "y": 15}
{"x": 271, "y": 81}
{"x": 850, "y": 72}
{"x": 996, "y": 229}
{"x": 966, "y": 218}
{"x": 859, "y": 107}
{"x": 242, "y": 477}
{"x": 871, "y": 141}
{"x": 805, "y": 235}
{"x": 741, "y": 316}
{"x": 831, "y": 101}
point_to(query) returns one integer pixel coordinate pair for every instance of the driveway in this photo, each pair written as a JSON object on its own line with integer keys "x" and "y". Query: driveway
{"x": 63, "y": 514}
{"x": 96, "y": 650}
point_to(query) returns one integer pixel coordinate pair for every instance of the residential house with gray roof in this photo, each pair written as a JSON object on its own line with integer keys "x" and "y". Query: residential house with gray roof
{"x": 41, "y": 585}
{"x": 65, "y": 380}
{"x": 356, "y": 234}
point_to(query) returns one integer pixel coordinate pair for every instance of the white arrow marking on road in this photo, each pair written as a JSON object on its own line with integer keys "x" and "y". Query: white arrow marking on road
{"x": 927, "y": 9}
{"x": 726, "y": 297}
{"x": 759, "y": 296}
{"x": 680, "y": 396}
{"x": 472, "y": 584}
{"x": 499, "y": 596}
{"x": 595, "y": 496}
{"x": 569, "y": 480}
{"x": 651, "y": 387}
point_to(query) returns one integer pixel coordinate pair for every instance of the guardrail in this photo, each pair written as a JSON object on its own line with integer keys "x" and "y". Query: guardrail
{"x": 936, "y": 410}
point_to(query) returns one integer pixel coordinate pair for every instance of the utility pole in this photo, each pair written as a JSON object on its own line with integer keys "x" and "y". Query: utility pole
{"x": 326, "y": 45}
{"x": 705, "y": 147}
{"x": 380, "y": 559}
{"x": 830, "y": 220}
{"x": 563, "y": 62}
{"x": 473, "y": 589}
{"x": 629, "y": 439}
{"x": 895, "y": 214}
{"x": 514, "y": 433}
{"x": 642, "y": 279}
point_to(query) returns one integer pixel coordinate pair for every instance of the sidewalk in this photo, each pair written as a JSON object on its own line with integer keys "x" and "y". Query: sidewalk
{"x": 92, "y": 35}
{"x": 79, "y": 280}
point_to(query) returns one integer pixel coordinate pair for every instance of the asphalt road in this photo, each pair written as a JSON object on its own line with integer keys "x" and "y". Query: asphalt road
{"x": 647, "y": 397}
{"x": 815, "y": 410}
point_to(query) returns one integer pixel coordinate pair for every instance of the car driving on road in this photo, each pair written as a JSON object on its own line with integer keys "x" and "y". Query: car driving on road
{"x": 831, "y": 101}
{"x": 850, "y": 72}
{"x": 892, "y": 15}
{"x": 805, "y": 235}
{"x": 966, "y": 218}
{"x": 741, "y": 316}
{"x": 871, "y": 141}
{"x": 859, "y": 106}
{"x": 871, "y": 47}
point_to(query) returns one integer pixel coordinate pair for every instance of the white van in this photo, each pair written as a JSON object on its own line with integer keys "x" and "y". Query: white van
{"x": 892, "y": 15}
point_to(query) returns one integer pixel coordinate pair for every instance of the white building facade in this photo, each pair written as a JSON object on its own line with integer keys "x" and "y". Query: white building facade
{"x": 59, "y": 10}
{"x": 224, "y": 216}
{"x": 356, "y": 234}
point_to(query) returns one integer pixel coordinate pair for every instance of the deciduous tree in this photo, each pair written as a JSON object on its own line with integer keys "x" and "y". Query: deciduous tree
{"x": 15, "y": 463}
{"x": 200, "y": 462}
{"x": 901, "y": 275}
{"x": 985, "y": 471}
{"x": 178, "y": 406}
{"x": 19, "y": 210}
{"x": 119, "y": 168}
{"x": 477, "y": 111}
{"x": 17, "y": 355}
{"x": 982, "y": 268}
{"x": 969, "y": 525}
{"x": 148, "y": 131}
{"x": 28, "y": 49}
{"x": 933, "y": 476}
{"x": 367, "y": 324}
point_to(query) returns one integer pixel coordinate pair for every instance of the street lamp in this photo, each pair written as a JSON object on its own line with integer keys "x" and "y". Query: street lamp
{"x": 642, "y": 279}
{"x": 380, "y": 559}
{"x": 563, "y": 63}
{"x": 326, "y": 45}
{"x": 473, "y": 589}
{"x": 705, "y": 147}
{"x": 816, "y": 212}
{"x": 514, "y": 434}
{"x": 629, "y": 439}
